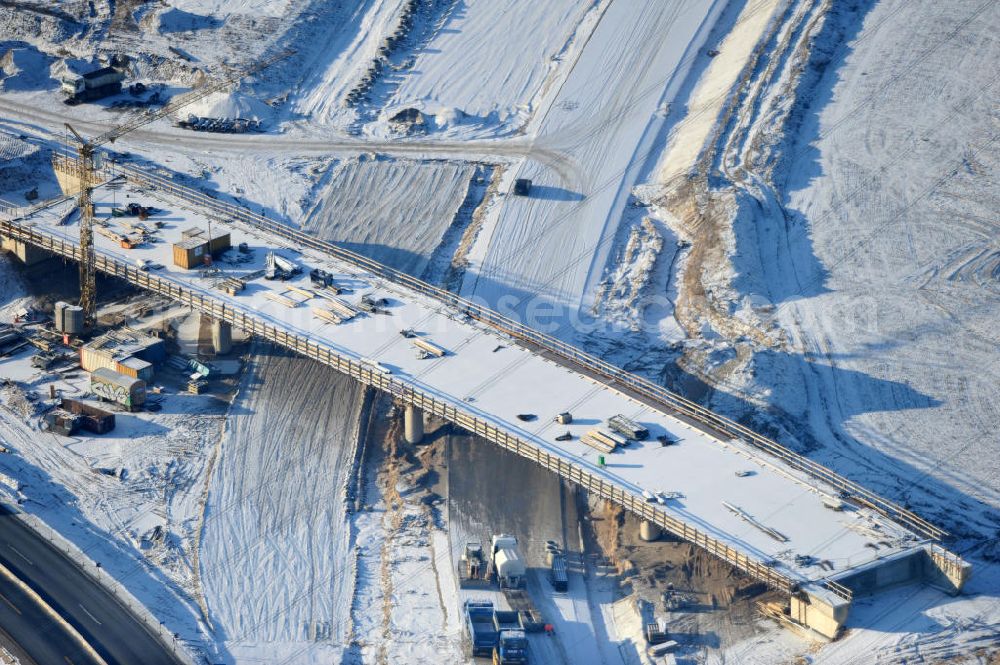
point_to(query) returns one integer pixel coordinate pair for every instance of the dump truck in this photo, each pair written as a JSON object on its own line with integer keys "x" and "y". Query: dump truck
{"x": 482, "y": 633}
{"x": 93, "y": 85}
{"x": 512, "y": 643}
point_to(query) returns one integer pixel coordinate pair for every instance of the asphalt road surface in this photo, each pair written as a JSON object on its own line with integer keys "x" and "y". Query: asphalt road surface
{"x": 91, "y": 609}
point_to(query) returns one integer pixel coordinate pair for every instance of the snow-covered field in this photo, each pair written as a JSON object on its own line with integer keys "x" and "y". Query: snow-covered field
{"x": 276, "y": 559}
{"x": 844, "y": 161}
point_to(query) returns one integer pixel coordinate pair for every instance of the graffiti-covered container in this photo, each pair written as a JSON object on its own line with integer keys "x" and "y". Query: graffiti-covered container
{"x": 111, "y": 386}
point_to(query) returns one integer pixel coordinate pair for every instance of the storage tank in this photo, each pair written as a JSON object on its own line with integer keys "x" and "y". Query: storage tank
{"x": 68, "y": 318}
{"x": 118, "y": 388}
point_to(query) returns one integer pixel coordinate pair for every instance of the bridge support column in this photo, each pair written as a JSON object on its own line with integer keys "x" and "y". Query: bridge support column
{"x": 649, "y": 531}
{"x": 26, "y": 254}
{"x": 413, "y": 424}
{"x": 222, "y": 337}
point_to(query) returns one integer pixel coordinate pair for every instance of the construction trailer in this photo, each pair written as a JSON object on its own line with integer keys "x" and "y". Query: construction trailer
{"x": 190, "y": 253}
{"x": 196, "y": 249}
{"x": 111, "y": 386}
{"x": 127, "y": 352}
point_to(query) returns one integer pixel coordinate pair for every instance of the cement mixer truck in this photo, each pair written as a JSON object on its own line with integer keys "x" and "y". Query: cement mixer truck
{"x": 508, "y": 566}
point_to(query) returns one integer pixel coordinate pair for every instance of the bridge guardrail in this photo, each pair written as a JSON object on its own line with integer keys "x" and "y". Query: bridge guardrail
{"x": 615, "y": 375}
{"x": 256, "y": 326}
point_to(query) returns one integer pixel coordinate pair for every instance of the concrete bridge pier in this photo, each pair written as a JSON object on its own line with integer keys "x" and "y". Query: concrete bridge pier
{"x": 222, "y": 337}
{"x": 413, "y": 424}
{"x": 649, "y": 531}
{"x": 25, "y": 253}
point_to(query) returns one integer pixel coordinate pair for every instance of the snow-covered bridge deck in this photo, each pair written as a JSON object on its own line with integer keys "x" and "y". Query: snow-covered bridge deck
{"x": 740, "y": 495}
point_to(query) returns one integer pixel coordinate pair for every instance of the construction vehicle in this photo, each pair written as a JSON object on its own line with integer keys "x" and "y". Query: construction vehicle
{"x": 628, "y": 428}
{"x": 512, "y": 643}
{"x": 472, "y": 570}
{"x": 88, "y": 164}
{"x": 507, "y": 565}
{"x": 278, "y": 267}
{"x": 479, "y": 625}
{"x": 495, "y": 634}
{"x": 322, "y": 279}
{"x": 93, "y": 85}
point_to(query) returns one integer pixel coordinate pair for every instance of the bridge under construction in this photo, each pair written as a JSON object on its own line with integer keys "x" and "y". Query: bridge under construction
{"x": 777, "y": 516}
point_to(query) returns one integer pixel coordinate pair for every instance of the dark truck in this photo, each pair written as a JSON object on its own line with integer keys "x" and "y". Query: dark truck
{"x": 93, "y": 85}
{"x": 479, "y": 624}
{"x": 512, "y": 643}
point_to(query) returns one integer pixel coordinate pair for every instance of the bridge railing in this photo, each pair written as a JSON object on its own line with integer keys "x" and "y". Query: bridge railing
{"x": 261, "y": 328}
{"x": 614, "y": 376}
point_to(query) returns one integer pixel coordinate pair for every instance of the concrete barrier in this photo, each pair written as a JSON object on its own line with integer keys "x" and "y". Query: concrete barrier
{"x": 52, "y": 613}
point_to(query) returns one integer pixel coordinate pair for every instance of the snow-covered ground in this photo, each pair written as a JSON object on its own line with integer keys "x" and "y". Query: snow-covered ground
{"x": 275, "y": 556}
{"x": 606, "y": 119}
{"x": 107, "y": 494}
{"x": 864, "y": 223}
{"x": 853, "y": 299}
{"x": 460, "y": 78}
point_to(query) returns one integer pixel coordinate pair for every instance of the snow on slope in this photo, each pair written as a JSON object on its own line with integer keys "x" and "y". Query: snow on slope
{"x": 902, "y": 376}
{"x": 606, "y": 118}
{"x": 275, "y": 557}
{"x": 490, "y": 58}
{"x": 394, "y": 211}
{"x": 869, "y": 225}
{"x": 347, "y": 51}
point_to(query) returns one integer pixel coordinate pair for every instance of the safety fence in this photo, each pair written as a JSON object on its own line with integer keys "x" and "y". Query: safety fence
{"x": 614, "y": 376}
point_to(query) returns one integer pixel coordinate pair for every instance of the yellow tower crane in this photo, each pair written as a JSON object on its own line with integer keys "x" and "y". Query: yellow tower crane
{"x": 85, "y": 169}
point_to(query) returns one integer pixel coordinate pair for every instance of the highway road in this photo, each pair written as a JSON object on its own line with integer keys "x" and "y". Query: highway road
{"x": 92, "y": 610}
{"x": 39, "y": 637}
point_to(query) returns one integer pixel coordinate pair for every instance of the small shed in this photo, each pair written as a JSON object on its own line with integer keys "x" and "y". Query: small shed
{"x": 190, "y": 253}
{"x": 522, "y": 187}
{"x": 136, "y": 368}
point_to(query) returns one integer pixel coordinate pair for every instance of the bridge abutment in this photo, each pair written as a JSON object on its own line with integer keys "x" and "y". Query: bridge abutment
{"x": 819, "y": 609}
{"x": 413, "y": 424}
